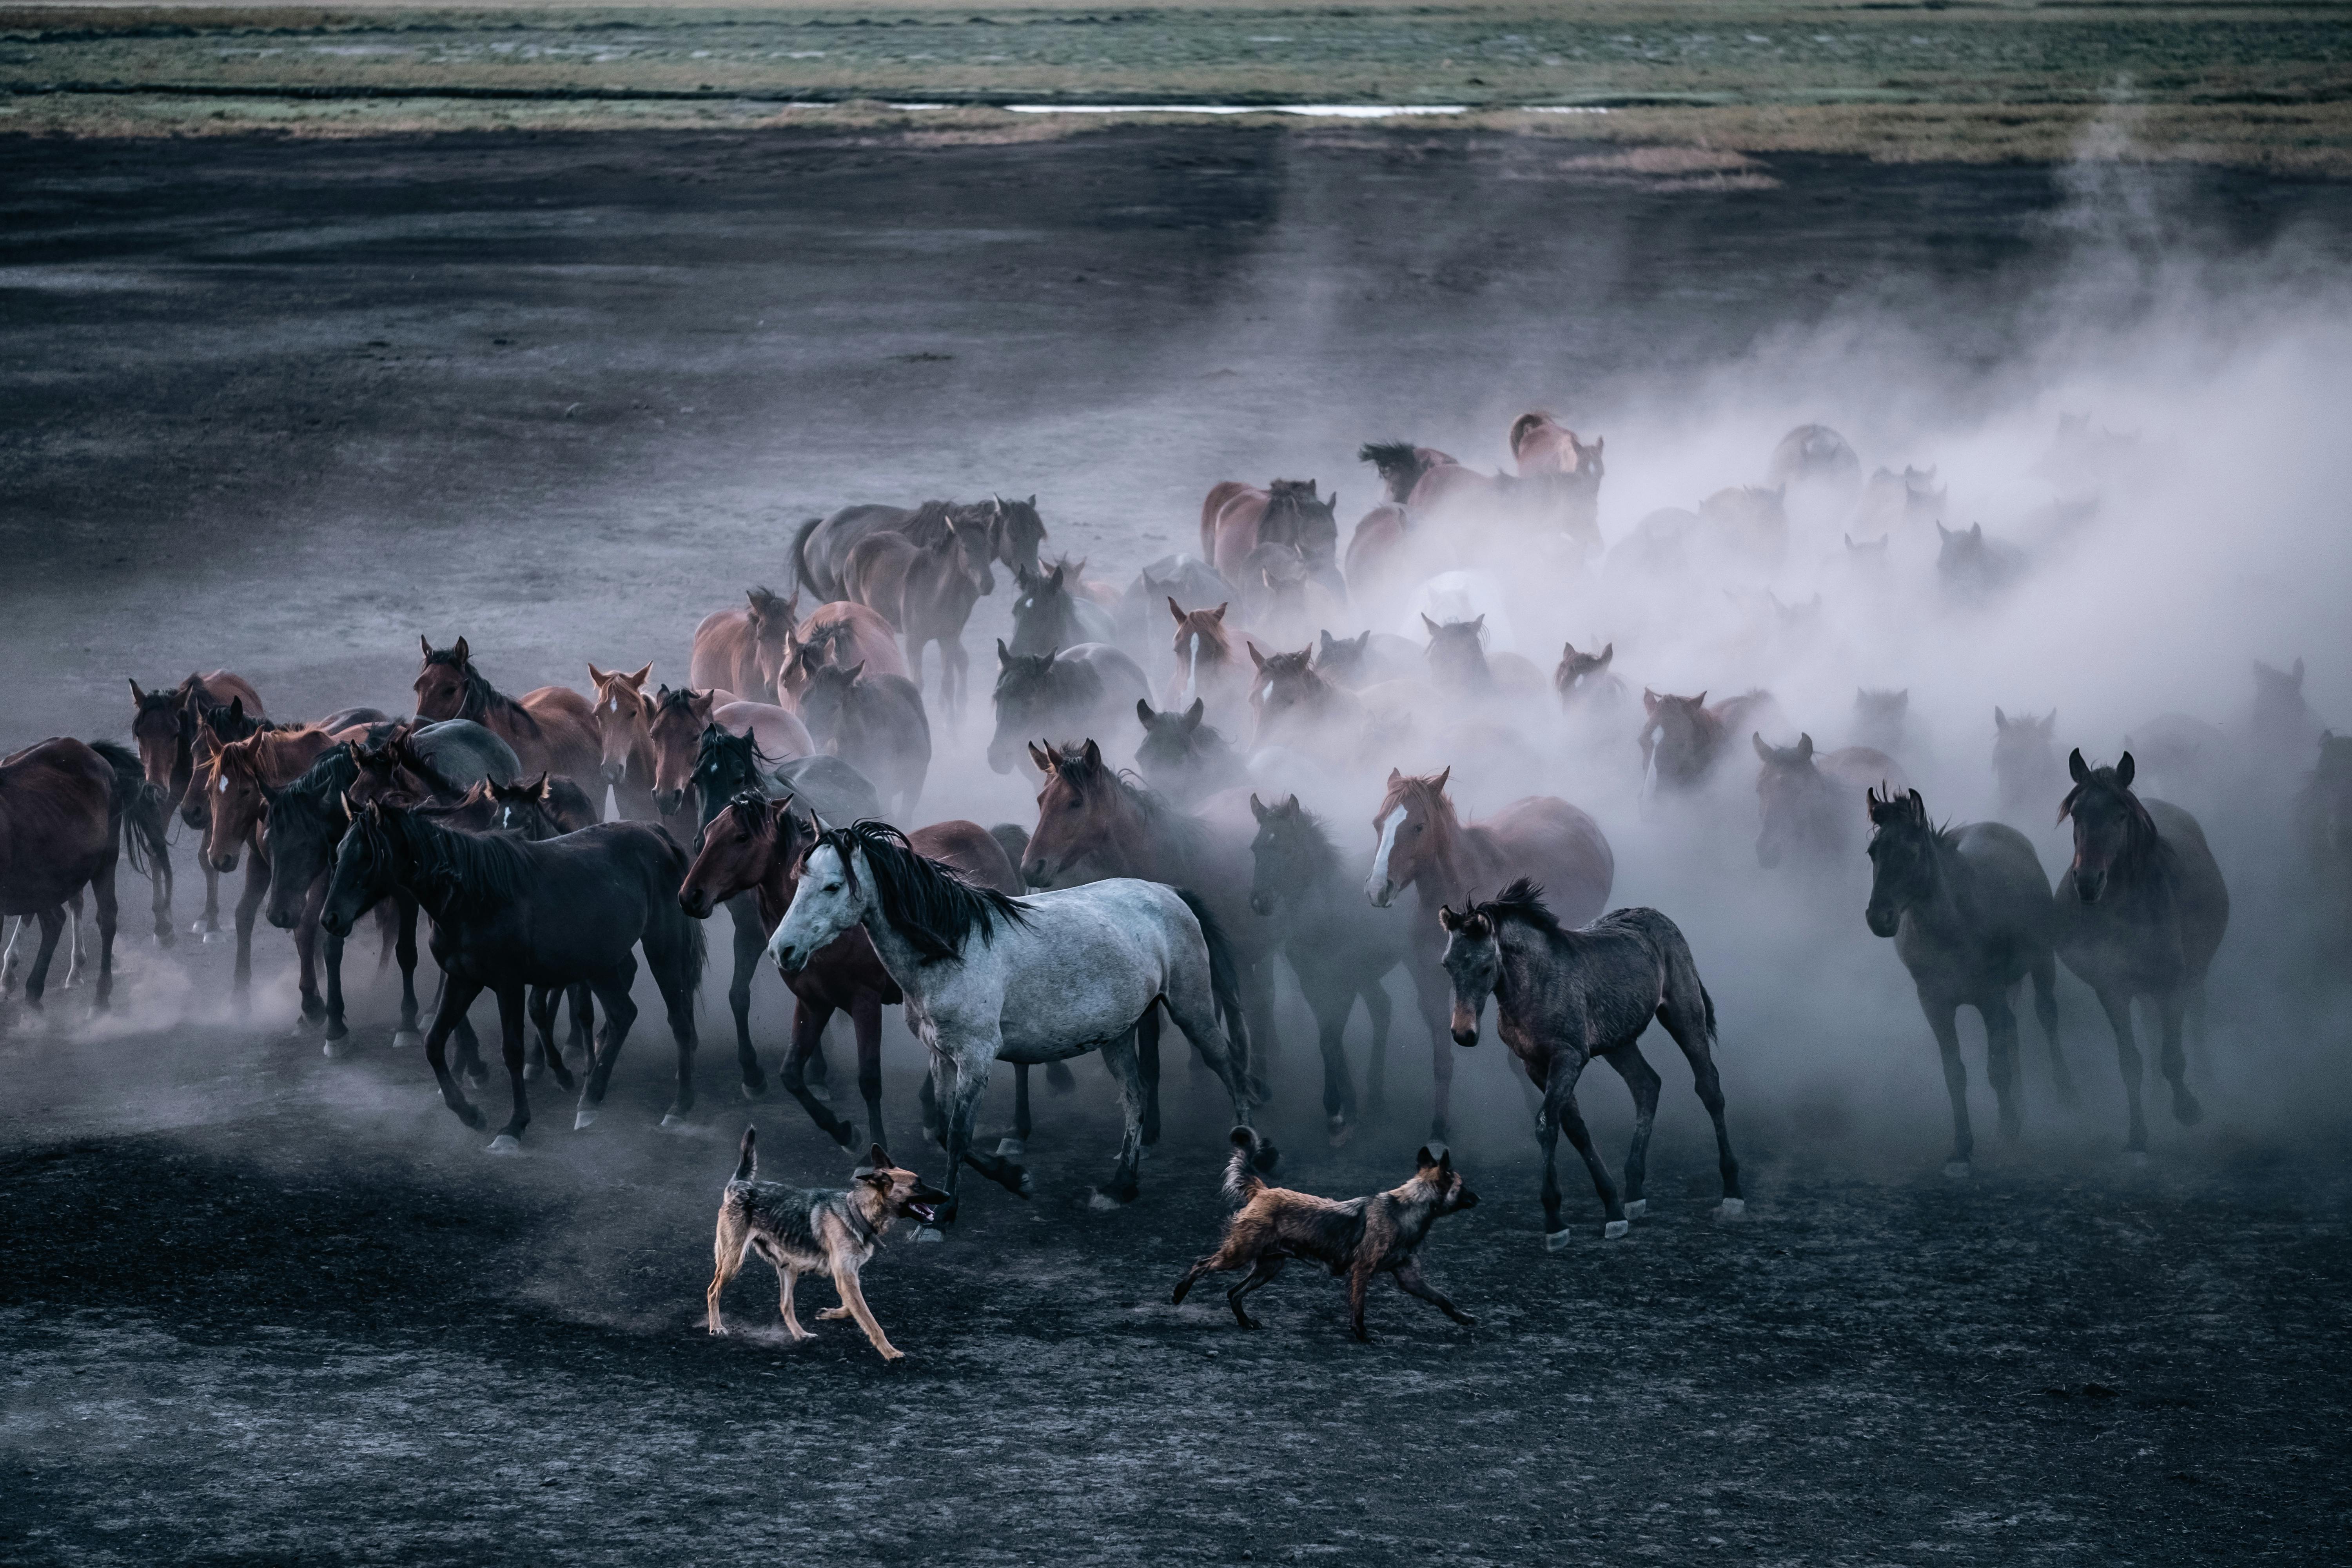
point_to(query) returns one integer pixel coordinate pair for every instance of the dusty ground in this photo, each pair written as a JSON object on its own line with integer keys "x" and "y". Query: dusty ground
{"x": 283, "y": 407}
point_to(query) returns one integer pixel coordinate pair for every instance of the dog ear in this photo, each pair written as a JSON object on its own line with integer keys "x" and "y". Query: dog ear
{"x": 1445, "y": 915}
{"x": 1422, "y": 1158}
{"x": 878, "y": 1157}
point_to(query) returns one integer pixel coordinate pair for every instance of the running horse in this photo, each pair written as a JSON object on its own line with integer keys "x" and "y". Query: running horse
{"x": 64, "y": 805}
{"x": 163, "y": 725}
{"x": 237, "y": 786}
{"x": 552, "y": 728}
{"x": 1420, "y": 842}
{"x": 1237, "y": 518}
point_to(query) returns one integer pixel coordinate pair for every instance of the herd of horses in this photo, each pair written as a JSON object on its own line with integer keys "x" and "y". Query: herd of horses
{"x": 1177, "y": 886}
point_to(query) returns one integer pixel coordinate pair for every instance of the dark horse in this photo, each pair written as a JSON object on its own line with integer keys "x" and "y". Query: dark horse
{"x": 1089, "y": 690}
{"x": 1048, "y": 613}
{"x": 1969, "y": 910}
{"x": 1563, "y": 997}
{"x": 2141, "y": 912}
{"x": 507, "y": 915}
{"x": 64, "y": 806}
{"x": 164, "y": 726}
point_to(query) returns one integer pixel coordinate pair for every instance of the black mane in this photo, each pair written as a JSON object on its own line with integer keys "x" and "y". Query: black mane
{"x": 2142, "y": 842}
{"x": 925, "y": 902}
{"x": 1169, "y": 822}
{"x": 1522, "y": 901}
{"x": 447, "y": 870}
{"x": 933, "y": 522}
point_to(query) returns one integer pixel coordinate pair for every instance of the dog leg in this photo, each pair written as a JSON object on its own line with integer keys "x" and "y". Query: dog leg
{"x": 786, "y": 1278}
{"x": 845, "y": 1280}
{"x": 1262, "y": 1273}
{"x": 727, "y": 1256}
{"x": 1408, "y": 1281}
{"x": 1359, "y": 1285}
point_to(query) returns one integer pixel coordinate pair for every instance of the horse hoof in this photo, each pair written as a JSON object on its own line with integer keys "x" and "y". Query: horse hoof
{"x": 2135, "y": 1158}
{"x": 1101, "y": 1201}
{"x": 505, "y": 1143}
{"x": 1637, "y": 1209}
{"x": 406, "y": 1040}
{"x": 1006, "y": 1147}
{"x": 1616, "y": 1230}
{"x": 1027, "y": 1186}
{"x": 166, "y": 937}
{"x": 332, "y": 1049}
{"x": 672, "y": 1119}
{"x": 213, "y": 936}
{"x": 1957, "y": 1170}
{"x": 1559, "y": 1240}
{"x": 1340, "y": 1131}
{"x": 533, "y": 1072}
{"x": 754, "y": 1090}
{"x": 582, "y": 1120}
{"x": 1731, "y": 1208}
{"x": 472, "y": 1117}
{"x": 924, "y": 1233}
{"x": 2186, "y": 1110}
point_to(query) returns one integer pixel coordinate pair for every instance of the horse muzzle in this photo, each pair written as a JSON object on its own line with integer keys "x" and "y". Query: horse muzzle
{"x": 1037, "y": 874}
{"x": 612, "y": 771}
{"x": 1382, "y": 893}
{"x": 1882, "y": 921}
{"x": 223, "y": 863}
{"x": 1464, "y": 1026}
{"x": 695, "y": 902}
{"x": 790, "y": 958}
{"x": 1261, "y": 903}
{"x": 332, "y": 924}
{"x": 668, "y": 800}
{"x": 284, "y": 922}
{"x": 2089, "y": 884}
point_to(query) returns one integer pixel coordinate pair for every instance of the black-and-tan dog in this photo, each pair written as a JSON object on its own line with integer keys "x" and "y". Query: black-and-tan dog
{"x": 1355, "y": 1237}
{"x": 802, "y": 1230}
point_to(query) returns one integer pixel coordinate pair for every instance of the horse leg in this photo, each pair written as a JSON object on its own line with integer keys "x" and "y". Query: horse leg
{"x": 958, "y": 1104}
{"x": 2045, "y": 1012}
{"x": 1643, "y": 1078}
{"x": 1147, "y": 1062}
{"x": 77, "y": 960}
{"x": 2118, "y": 1007}
{"x": 749, "y": 942}
{"x": 53, "y": 926}
{"x": 2000, "y": 1059}
{"x": 16, "y": 925}
{"x": 1193, "y": 1007}
{"x": 159, "y": 897}
{"x": 1119, "y": 1056}
{"x": 544, "y": 1000}
{"x": 1257, "y": 1006}
{"x": 2169, "y": 1010}
{"x": 257, "y": 884}
{"x": 865, "y": 1024}
{"x": 809, "y": 1019}
{"x": 404, "y": 951}
{"x": 511, "y": 1007}
{"x": 1559, "y": 1115}
{"x": 306, "y": 948}
{"x": 1331, "y": 1002}
{"x": 1378, "y": 1009}
{"x": 101, "y": 889}
{"x": 2201, "y": 1063}
{"x": 1942, "y": 1018}
{"x": 955, "y": 666}
{"x": 620, "y": 1012}
{"x": 1435, "y": 994}
{"x": 926, "y": 1097}
{"x": 457, "y": 996}
{"x": 1019, "y": 1142}
{"x": 678, "y": 1001}
{"x": 543, "y": 1018}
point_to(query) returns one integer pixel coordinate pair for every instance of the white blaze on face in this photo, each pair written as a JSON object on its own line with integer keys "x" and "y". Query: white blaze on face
{"x": 1376, "y": 886}
{"x": 224, "y": 786}
{"x": 1191, "y": 670}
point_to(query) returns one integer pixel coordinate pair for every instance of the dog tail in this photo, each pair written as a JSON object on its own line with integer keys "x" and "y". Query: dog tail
{"x": 749, "y": 1165}
{"x": 1225, "y": 987}
{"x": 1242, "y": 1179}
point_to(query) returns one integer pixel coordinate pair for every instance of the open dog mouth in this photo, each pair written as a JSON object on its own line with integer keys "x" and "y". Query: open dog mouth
{"x": 927, "y": 1213}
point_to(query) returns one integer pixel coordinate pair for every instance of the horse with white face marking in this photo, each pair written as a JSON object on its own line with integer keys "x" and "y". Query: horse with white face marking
{"x": 1031, "y": 980}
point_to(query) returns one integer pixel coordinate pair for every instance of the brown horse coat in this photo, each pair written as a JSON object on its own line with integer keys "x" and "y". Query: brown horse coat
{"x": 1237, "y": 518}
{"x": 57, "y": 836}
{"x": 1542, "y": 444}
{"x": 841, "y": 633}
{"x": 740, "y": 649}
{"x": 553, "y": 730}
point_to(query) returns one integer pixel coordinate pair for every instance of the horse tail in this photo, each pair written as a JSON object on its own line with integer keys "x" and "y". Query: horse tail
{"x": 1225, "y": 987}
{"x": 1242, "y": 1179}
{"x": 800, "y": 556}
{"x": 747, "y": 1167}
{"x": 133, "y": 803}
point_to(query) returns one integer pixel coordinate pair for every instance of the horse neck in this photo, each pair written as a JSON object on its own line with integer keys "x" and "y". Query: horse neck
{"x": 1456, "y": 854}
{"x": 1949, "y": 913}
{"x": 1146, "y": 843}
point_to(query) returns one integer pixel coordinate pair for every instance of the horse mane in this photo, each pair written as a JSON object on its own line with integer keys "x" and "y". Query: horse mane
{"x": 453, "y": 869}
{"x": 924, "y": 901}
{"x": 1320, "y": 849}
{"x": 481, "y": 699}
{"x": 322, "y": 784}
{"x": 254, "y": 753}
{"x": 1161, "y": 816}
{"x": 933, "y": 521}
{"x": 2142, "y": 842}
{"x": 1521, "y": 901}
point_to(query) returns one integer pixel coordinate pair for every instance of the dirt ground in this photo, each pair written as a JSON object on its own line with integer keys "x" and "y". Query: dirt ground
{"x": 283, "y": 407}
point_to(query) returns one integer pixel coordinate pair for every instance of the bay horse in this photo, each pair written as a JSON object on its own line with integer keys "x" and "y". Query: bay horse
{"x": 674, "y": 729}
{"x": 1065, "y": 693}
{"x": 1564, "y": 996}
{"x": 623, "y": 719}
{"x": 1020, "y": 531}
{"x": 741, "y": 650}
{"x": 1566, "y": 506}
{"x": 1182, "y": 758}
{"x": 237, "y": 784}
{"x": 2141, "y": 912}
{"x": 1971, "y": 912}
{"x": 749, "y": 855}
{"x": 1421, "y": 843}
{"x": 1237, "y": 518}
{"x": 507, "y": 915}
{"x": 836, "y": 634}
{"x": 925, "y": 585}
{"x": 552, "y": 729}
{"x": 1805, "y": 799}
{"x": 1034, "y": 979}
{"x": 1339, "y": 946}
{"x": 1050, "y": 612}
{"x": 1093, "y": 823}
{"x": 1298, "y": 706}
{"x": 163, "y": 725}
{"x": 65, "y": 805}
{"x": 1400, "y": 465}
{"x": 1682, "y": 739}
{"x": 876, "y": 723}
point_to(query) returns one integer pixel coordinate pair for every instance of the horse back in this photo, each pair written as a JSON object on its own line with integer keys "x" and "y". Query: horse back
{"x": 1559, "y": 846}
{"x": 976, "y": 854}
{"x": 777, "y": 731}
{"x": 219, "y": 688}
{"x": 723, "y": 653}
{"x": 1212, "y": 511}
{"x": 56, "y": 823}
{"x": 2013, "y": 890}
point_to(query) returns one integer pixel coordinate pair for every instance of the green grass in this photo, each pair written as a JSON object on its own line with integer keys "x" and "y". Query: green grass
{"x": 2266, "y": 84}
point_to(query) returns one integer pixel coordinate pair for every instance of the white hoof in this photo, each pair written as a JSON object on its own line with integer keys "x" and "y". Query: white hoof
{"x": 407, "y": 1040}
{"x": 1559, "y": 1240}
{"x": 1731, "y": 1208}
{"x": 2135, "y": 1160}
{"x": 1101, "y": 1201}
{"x": 504, "y": 1143}
{"x": 1615, "y": 1229}
{"x": 1957, "y": 1169}
{"x": 332, "y": 1049}
{"x": 1638, "y": 1208}
{"x": 671, "y": 1118}
{"x": 582, "y": 1120}
{"x": 213, "y": 936}
{"x": 929, "y": 1233}
{"x": 1009, "y": 1146}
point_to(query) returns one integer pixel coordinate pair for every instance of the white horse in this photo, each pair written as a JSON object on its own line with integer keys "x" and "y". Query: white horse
{"x": 987, "y": 976}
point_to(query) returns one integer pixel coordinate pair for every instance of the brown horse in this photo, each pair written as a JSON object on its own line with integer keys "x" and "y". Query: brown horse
{"x": 673, "y": 733}
{"x": 63, "y": 805}
{"x": 1419, "y": 842}
{"x": 838, "y": 634}
{"x": 1299, "y": 705}
{"x": 1583, "y": 681}
{"x": 1093, "y": 822}
{"x": 1542, "y": 444}
{"x": 163, "y": 725}
{"x": 1401, "y": 465}
{"x": 756, "y": 845}
{"x": 739, "y": 651}
{"x": 1546, "y": 502}
{"x": 1682, "y": 739}
{"x": 1237, "y": 518}
{"x": 925, "y": 584}
{"x": 553, "y": 730}
{"x": 237, "y": 785}
{"x": 1374, "y": 551}
{"x": 1207, "y": 668}
{"x": 624, "y": 714}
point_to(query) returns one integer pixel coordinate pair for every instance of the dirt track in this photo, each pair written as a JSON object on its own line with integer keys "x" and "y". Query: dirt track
{"x": 282, "y": 407}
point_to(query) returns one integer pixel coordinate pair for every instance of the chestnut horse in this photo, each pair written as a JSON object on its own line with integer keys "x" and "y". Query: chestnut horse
{"x": 925, "y": 585}
{"x": 754, "y": 845}
{"x": 1419, "y": 842}
{"x": 739, "y": 651}
{"x": 163, "y": 725}
{"x": 624, "y": 714}
{"x": 1545, "y": 502}
{"x": 237, "y": 784}
{"x": 63, "y": 808}
{"x": 1682, "y": 738}
{"x": 836, "y": 633}
{"x": 1207, "y": 667}
{"x": 553, "y": 730}
{"x": 673, "y": 734}
{"x": 1237, "y": 518}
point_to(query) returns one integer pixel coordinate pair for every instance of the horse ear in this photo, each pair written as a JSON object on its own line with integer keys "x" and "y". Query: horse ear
{"x": 1649, "y": 699}
{"x": 1143, "y": 712}
{"x": 1175, "y": 609}
{"x": 857, "y": 670}
{"x": 136, "y": 695}
{"x": 1870, "y": 803}
{"x": 1607, "y": 654}
{"x": 637, "y": 681}
{"x": 1218, "y": 615}
{"x": 1194, "y": 714}
{"x": 425, "y": 643}
{"x": 1257, "y": 807}
{"x": 1999, "y": 719}
{"x": 1480, "y": 624}
{"x": 1033, "y": 498}
{"x": 2077, "y": 768}
{"x": 1942, "y": 532}
{"x": 1699, "y": 701}
{"x": 237, "y": 709}
{"x": 461, "y": 651}
{"x": 1438, "y": 784}
{"x": 1804, "y": 747}
{"x": 1976, "y": 534}
{"x": 1004, "y": 654}
{"x": 538, "y": 786}
{"x": 1042, "y": 757}
{"x": 1093, "y": 754}
{"x": 1394, "y": 776}
{"x": 349, "y": 811}
{"x": 2126, "y": 769}
{"x": 1257, "y": 658}
{"x": 1919, "y": 808}
{"x": 1429, "y": 626}
{"x": 1763, "y": 751}
{"x": 1447, "y": 918}
{"x": 1054, "y": 578}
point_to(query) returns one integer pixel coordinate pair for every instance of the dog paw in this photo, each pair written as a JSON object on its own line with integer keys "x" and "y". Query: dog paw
{"x": 833, "y": 1314}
